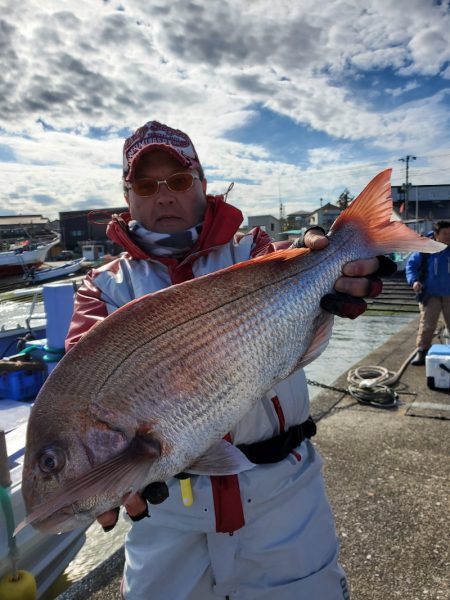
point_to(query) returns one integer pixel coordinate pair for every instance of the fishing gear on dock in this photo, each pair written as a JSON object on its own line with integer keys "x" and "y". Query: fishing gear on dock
{"x": 371, "y": 385}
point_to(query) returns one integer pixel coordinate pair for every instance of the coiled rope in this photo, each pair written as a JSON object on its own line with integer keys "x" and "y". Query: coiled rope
{"x": 371, "y": 385}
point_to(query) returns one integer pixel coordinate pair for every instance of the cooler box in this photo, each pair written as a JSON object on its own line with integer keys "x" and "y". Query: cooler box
{"x": 437, "y": 367}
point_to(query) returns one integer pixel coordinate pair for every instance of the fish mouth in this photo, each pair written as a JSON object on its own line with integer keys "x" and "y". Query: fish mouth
{"x": 66, "y": 519}
{"x": 60, "y": 521}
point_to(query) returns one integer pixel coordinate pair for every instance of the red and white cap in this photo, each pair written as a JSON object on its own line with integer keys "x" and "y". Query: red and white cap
{"x": 156, "y": 136}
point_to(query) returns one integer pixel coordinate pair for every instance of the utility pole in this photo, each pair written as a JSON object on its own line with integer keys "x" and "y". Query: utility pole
{"x": 406, "y": 160}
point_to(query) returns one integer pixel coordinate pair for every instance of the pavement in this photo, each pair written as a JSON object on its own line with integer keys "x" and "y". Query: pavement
{"x": 387, "y": 473}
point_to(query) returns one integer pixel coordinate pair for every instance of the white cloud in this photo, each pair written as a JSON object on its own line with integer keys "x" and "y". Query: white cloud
{"x": 207, "y": 68}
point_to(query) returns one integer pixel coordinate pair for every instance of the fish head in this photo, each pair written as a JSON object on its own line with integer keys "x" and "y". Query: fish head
{"x": 72, "y": 468}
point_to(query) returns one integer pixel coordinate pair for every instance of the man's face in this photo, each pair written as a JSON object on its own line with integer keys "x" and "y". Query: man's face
{"x": 443, "y": 236}
{"x": 166, "y": 211}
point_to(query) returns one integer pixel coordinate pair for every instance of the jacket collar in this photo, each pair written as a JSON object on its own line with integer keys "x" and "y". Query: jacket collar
{"x": 221, "y": 222}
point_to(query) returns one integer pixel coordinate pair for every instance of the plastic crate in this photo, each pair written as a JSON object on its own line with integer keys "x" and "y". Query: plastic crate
{"x": 23, "y": 384}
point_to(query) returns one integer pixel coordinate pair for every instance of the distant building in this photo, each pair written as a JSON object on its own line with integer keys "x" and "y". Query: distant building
{"x": 324, "y": 216}
{"x": 298, "y": 219}
{"x": 79, "y": 226}
{"x": 427, "y": 202}
{"x": 16, "y": 227}
{"x": 268, "y": 223}
{"x": 15, "y": 230}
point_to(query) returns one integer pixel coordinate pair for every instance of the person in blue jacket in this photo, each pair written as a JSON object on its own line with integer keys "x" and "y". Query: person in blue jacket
{"x": 429, "y": 276}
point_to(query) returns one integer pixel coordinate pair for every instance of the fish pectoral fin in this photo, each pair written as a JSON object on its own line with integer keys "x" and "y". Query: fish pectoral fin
{"x": 320, "y": 341}
{"x": 221, "y": 459}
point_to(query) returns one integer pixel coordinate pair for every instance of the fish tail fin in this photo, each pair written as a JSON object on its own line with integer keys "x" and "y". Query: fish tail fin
{"x": 371, "y": 211}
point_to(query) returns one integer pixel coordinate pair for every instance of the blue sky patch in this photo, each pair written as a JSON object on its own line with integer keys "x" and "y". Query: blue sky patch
{"x": 284, "y": 139}
{"x": 7, "y": 154}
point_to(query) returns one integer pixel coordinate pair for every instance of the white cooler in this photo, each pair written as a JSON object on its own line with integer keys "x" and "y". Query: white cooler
{"x": 437, "y": 367}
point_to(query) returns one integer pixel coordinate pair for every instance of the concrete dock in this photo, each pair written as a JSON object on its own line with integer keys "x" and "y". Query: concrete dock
{"x": 388, "y": 478}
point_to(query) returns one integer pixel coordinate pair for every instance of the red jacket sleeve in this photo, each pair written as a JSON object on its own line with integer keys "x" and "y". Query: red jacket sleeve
{"x": 89, "y": 310}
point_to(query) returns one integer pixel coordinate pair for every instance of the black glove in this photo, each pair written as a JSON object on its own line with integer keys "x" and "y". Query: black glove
{"x": 350, "y": 307}
{"x": 155, "y": 493}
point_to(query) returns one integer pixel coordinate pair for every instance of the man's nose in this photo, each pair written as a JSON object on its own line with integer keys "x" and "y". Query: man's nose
{"x": 164, "y": 195}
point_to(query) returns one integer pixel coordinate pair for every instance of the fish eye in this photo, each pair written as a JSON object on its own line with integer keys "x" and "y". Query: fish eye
{"x": 51, "y": 460}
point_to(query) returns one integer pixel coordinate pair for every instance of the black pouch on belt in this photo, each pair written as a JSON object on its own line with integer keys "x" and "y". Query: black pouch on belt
{"x": 278, "y": 447}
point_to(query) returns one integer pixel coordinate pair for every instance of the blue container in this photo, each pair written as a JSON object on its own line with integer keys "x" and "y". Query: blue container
{"x": 21, "y": 385}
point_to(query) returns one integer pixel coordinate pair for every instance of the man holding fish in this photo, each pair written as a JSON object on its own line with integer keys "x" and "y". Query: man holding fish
{"x": 186, "y": 234}
{"x": 204, "y": 380}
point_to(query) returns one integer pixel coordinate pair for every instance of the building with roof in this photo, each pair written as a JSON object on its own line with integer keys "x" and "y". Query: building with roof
{"x": 20, "y": 228}
{"x": 324, "y": 216}
{"x": 425, "y": 202}
{"x": 297, "y": 220}
{"x": 78, "y": 226}
{"x": 267, "y": 223}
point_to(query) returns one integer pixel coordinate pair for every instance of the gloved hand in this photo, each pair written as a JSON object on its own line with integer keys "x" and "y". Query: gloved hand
{"x": 136, "y": 505}
{"x": 360, "y": 278}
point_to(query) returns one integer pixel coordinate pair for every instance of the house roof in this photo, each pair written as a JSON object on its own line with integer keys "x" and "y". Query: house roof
{"x": 299, "y": 213}
{"x": 262, "y": 217}
{"x": 327, "y": 205}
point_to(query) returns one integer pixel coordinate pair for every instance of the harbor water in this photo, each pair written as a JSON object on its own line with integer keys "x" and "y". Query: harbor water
{"x": 350, "y": 343}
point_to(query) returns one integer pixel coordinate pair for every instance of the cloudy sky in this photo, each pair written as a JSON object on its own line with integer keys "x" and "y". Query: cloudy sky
{"x": 293, "y": 100}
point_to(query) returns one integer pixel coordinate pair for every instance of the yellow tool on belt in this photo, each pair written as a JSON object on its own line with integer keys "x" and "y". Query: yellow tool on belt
{"x": 186, "y": 491}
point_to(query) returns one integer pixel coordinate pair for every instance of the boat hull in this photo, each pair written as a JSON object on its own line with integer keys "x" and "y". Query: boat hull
{"x": 22, "y": 259}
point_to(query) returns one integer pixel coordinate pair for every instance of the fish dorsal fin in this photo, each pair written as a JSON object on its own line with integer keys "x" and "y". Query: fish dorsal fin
{"x": 371, "y": 212}
{"x": 221, "y": 459}
{"x": 273, "y": 257}
{"x": 320, "y": 341}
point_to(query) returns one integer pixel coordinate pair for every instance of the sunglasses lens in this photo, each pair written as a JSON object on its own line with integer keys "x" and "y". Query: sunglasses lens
{"x": 145, "y": 187}
{"x": 180, "y": 182}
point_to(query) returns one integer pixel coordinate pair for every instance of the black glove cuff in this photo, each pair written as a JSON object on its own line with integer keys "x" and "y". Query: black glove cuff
{"x": 343, "y": 305}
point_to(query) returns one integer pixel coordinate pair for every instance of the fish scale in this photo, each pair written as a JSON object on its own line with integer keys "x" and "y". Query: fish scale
{"x": 152, "y": 389}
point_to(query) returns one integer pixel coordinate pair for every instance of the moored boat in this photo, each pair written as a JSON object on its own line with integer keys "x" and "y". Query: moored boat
{"x": 36, "y": 275}
{"x": 22, "y": 258}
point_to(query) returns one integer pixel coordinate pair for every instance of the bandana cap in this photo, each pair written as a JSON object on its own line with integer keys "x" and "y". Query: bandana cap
{"x": 156, "y": 136}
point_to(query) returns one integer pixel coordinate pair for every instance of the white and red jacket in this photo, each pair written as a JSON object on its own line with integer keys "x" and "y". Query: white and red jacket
{"x": 135, "y": 274}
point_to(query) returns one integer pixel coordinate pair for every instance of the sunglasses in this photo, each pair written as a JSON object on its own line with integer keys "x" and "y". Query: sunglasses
{"x": 178, "y": 182}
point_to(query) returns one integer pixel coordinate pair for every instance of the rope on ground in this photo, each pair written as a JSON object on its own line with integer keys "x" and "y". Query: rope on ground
{"x": 371, "y": 385}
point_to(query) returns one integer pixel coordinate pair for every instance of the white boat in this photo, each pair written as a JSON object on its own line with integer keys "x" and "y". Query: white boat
{"x": 37, "y": 275}
{"x": 31, "y": 254}
{"x": 43, "y": 555}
